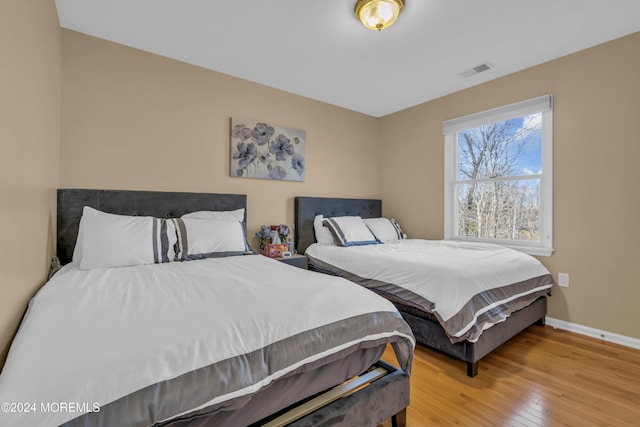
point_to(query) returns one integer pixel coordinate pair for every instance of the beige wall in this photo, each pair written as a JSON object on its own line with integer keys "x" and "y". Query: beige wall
{"x": 596, "y": 174}
{"x": 133, "y": 120}
{"x": 29, "y": 147}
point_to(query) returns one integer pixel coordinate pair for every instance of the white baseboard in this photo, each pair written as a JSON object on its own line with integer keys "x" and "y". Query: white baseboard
{"x": 594, "y": 333}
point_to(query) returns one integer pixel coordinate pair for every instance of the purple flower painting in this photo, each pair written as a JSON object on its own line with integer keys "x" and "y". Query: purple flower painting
{"x": 268, "y": 151}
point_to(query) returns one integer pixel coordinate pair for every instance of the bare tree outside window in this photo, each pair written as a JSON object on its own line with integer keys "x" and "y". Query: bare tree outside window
{"x": 499, "y": 167}
{"x": 498, "y": 183}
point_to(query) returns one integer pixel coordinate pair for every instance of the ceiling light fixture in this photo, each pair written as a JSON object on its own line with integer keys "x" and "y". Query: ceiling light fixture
{"x": 378, "y": 14}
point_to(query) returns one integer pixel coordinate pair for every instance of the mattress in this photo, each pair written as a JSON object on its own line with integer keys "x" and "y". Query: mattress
{"x": 152, "y": 343}
{"x": 467, "y": 287}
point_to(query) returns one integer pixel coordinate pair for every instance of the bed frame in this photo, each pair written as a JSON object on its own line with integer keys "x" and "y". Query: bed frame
{"x": 385, "y": 389}
{"x": 426, "y": 329}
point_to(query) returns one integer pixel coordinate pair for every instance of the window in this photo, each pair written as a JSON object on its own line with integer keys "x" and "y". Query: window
{"x": 498, "y": 176}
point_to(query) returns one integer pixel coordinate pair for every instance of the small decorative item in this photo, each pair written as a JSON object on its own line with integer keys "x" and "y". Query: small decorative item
{"x": 291, "y": 244}
{"x": 275, "y": 250}
{"x": 273, "y": 239}
{"x": 284, "y": 232}
{"x": 264, "y": 235}
{"x": 262, "y": 150}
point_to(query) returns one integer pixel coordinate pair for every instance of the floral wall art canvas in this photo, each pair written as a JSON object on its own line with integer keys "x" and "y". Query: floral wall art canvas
{"x": 264, "y": 150}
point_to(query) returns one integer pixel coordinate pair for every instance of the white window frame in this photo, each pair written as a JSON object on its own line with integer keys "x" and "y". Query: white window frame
{"x": 450, "y": 128}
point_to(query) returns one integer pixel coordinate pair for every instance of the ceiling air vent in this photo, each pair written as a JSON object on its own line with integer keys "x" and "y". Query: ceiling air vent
{"x": 477, "y": 69}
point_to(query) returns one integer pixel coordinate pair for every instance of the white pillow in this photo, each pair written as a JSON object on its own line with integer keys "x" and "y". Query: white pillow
{"x": 350, "y": 231}
{"x": 77, "y": 249}
{"x": 201, "y": 238}
{"x": 110, "y": 240}
{"x": 385, "y": 229}
{"x": 237, "y": 215}
{"x": 323, "y": 234}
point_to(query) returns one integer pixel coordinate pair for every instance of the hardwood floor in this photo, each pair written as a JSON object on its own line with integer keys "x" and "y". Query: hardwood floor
{"x": 542, "y": 377}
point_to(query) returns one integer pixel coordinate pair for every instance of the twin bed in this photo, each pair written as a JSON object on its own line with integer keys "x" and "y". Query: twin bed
{"x": 464, "y": 299}
{"x": 225, "y": 337}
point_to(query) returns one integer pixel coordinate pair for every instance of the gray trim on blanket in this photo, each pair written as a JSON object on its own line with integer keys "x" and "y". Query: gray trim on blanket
{"x": 466, "y": 314}
{"x": 181, "y": 394}
{"x": 498, "y": 313}
{"x": 393, "y": 293}
{"x": 291, "y": 389}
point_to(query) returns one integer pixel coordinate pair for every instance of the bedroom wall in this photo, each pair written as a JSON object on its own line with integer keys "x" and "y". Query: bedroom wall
{"x": 29, "y": 143}
{"x": 596, "y": 154}
{"x": 134, "y": 120}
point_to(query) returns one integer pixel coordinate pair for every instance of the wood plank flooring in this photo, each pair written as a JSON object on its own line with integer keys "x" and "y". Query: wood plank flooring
{"x": 542, "y": 377}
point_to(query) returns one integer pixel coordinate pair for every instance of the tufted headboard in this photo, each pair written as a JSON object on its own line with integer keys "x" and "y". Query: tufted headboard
{"x": 124, "y": 202}
{"x": 306, "y": 209}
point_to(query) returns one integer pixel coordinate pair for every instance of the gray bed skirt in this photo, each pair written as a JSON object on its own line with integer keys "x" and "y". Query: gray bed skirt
{"x": 430, "y": 333}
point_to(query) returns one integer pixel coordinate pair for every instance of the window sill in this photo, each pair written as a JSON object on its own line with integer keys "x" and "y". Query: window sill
{"x": 530, "y": 250}
{"x": 546, "y": 252}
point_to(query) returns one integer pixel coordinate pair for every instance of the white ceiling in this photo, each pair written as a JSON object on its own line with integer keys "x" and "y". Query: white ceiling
{"x": 317, "y": 48}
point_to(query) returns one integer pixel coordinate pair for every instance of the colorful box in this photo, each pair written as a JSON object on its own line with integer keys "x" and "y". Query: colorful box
{"x": 275, "y": 250}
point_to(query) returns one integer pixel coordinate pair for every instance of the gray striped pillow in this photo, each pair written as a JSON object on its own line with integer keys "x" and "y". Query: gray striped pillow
{"x": 385, "y": 229}
{"x": 199, "y": 238}
{"x": 350, "y": 231}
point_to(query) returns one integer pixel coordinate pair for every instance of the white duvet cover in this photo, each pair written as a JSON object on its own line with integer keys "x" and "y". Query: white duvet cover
{"x": 93, "y": 339}
{"x": 461, "y": 283}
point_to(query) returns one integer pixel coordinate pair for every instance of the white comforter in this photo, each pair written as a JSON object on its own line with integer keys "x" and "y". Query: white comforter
{"x": 92, "y": 337}
{"x": 442, "y": 277}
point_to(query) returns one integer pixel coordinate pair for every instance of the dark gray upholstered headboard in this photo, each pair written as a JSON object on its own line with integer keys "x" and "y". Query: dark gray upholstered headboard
{"x": 124, "y": 202}
{"x": 306, "y": 209}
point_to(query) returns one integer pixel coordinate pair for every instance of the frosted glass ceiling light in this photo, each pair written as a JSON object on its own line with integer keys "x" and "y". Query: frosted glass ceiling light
{"x": 378, "y": 14}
